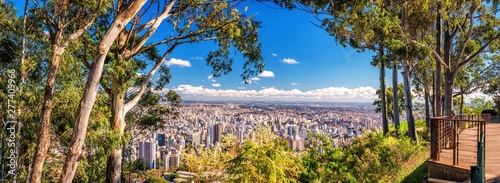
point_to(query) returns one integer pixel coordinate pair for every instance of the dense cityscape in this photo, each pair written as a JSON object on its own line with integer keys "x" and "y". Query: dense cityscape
{"x": 206, "y": 124}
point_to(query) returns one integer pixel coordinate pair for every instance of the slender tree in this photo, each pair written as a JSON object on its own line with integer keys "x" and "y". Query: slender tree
{"x": 395, "y": 97}
{"x": 469, "y": 28}
{"x": 126, "y": 12}
{"x": 190, "y": 22}
{"x": 62, "y": 26}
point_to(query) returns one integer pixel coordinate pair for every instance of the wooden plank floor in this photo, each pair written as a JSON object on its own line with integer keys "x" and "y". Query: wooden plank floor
{"x": 468, "y": 147}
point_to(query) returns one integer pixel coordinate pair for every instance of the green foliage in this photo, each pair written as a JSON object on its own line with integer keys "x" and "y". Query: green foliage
{"x": 264, "y": 160}
{"x": 479, "y": 104}
{"x": 155, "y": 176}
{"x": 267, "y": 159}
{"x": 367, "y": 159}
{"x": 389, "y": 96}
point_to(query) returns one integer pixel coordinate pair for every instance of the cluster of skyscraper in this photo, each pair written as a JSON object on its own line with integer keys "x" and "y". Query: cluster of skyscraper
{"x": 205, "y": 125}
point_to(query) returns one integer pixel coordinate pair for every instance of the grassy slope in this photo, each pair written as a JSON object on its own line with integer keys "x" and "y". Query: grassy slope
{"x": 414, "y": 170}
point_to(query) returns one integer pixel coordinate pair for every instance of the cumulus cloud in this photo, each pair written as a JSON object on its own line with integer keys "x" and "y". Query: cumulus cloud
{"x": 216, "y": 85}
{"x": 289, "y": 61}
{"x": 295, "y": 84}
{"x": 179, "y": 62}
{"x": 334, "y": 94}
{"x": 266, "y": 74}
{"x": 274, "y": 55}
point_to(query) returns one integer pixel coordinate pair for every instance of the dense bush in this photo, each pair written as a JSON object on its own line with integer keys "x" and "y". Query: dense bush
{"x": 367, "y": 159}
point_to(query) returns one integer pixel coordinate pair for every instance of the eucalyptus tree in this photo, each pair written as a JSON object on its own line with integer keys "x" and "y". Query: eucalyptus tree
{"x": 188, "y": 22}
{"x": 191, "y": 22}
{"x": 423, "y": 85}
{"x": 400, "y": 103}
{"x": 20, "y": 40}
{"x": 469, "y": 29}
{"x": 126, "y": 11}
{"x": 64, "y": 21}
{"x": 353, "y": 24}
{"x": 381, "y": 23}
{"x": 9, "y": 53}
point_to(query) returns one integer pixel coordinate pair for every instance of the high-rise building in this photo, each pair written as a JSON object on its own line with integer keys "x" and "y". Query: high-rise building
{"x": 174, "y": 159}
{"x": 166, "y": 161}
{"x": 240, "y": 135}
{"x": 207, "y": 140}
{"x": 218, "y": 128}
{"x": 194, "y": 138}
{"x": 147, "y": 151}
{"x": 161, "y": 140}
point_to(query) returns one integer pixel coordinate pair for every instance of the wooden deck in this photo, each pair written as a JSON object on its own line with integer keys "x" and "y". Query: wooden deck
{"x": 468, "y": 147}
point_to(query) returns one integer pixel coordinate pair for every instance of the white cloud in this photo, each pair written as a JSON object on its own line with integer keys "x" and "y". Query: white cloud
{"x": 198, "y": 57}
{"x": 274, "y": 55}
{"x": 210, "y": 77}
{"x": 179, "y": 62}
{"x": 266, "y": 74}
{"x": 289, "y": 61}
{"x": 251, "y": 80}
{"x": 255, "y": 79}
{"x": 216, "y": 85}
{"x": 295, "y": 84}
{"x": 332, "y": 94}
{"x": 242, "y": 88}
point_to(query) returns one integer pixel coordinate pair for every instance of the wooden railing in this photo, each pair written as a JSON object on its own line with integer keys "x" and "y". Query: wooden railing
{"x": 446, "y": 136}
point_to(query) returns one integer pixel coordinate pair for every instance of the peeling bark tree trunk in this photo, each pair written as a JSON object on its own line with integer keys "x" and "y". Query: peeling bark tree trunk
{"x": 120, "y": 109}
{"x": 90, "y": 91}
{"x": 448, "y": 92}
{"x": 412, "y": 132}
{"x": 395, "y": 98}
{"x": 44, "y": 128}
{"x": 385, "y": 122}
{"x": 448, "y": 76}
{"x": 114, "y": 166}
{"x": 438, "y": 110}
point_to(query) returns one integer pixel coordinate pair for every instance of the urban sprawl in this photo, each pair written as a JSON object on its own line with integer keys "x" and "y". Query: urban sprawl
{"x": 205, "y": 125}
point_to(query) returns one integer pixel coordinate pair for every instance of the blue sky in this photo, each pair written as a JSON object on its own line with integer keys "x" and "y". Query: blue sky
{"x": 302, "y": 63}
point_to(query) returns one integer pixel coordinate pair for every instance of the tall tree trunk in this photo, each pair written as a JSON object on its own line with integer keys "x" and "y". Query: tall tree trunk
{"x": 120, "y": 109}
{"x": 395, "y": 97}
{"x": 427, "y": 107}
{"x": 44, "y": 128}
{"x": 438, "y": 110}
{"x": 24, "y": 72}
{"x": 412, "y": 132}
{"x": 385, "y": 121}
{"x": 114, "y": 166}
{"x": 449, "y": 81}
{"x": 448, "y": 75}
{"x": 90, "y": 92}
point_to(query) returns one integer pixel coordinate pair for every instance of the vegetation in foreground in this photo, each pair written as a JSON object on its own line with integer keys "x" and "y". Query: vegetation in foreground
{"x": 372, "y": 157}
